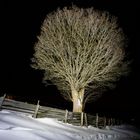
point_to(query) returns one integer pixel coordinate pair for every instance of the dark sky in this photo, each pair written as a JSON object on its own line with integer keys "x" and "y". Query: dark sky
{"x": 22, "y": 21}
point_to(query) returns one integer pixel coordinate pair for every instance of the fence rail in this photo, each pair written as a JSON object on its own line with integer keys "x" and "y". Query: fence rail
{"x": 42, "y": 111}
{"x": 66, "y": 116}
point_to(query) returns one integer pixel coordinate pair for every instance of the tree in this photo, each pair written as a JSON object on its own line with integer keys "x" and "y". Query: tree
{"x": 80, "y": 51}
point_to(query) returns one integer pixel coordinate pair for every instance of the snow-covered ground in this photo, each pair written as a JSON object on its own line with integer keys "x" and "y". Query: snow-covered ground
{"x": 19, "y": 126}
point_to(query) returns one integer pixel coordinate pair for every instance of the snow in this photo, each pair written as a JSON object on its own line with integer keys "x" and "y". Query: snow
{"x": 20, "y": 126}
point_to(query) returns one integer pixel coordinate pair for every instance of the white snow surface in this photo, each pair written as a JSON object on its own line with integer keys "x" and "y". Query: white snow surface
{"x": 20, "y": 126}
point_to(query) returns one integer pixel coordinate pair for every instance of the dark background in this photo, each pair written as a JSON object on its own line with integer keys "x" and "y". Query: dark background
{"x": 21, "y": 24}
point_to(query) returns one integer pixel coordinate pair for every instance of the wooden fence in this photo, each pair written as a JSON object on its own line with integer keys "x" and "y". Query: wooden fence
{"x": 37, "y": 111}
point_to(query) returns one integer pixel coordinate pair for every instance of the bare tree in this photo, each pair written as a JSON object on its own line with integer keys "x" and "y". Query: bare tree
{"x": 80, "y": 51}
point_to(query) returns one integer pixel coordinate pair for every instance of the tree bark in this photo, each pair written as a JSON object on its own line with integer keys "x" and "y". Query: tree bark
{"x": 77, "y": 100}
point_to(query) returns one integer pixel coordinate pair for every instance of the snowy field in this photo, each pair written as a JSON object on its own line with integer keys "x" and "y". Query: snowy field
{"x": 19, "y": 126}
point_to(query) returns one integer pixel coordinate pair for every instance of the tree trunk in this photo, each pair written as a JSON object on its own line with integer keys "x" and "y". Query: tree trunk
{"x": 77, "y": 100}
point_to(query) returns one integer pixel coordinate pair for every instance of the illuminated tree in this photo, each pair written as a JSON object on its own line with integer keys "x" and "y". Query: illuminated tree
{"x": 80, "y": 51}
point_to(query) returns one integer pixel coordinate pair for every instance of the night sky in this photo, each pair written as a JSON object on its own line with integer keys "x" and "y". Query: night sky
{"x": 21, "y": 24}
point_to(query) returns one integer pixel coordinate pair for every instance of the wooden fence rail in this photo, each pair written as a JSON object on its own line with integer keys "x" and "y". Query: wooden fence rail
{"x": 38, "y": 111}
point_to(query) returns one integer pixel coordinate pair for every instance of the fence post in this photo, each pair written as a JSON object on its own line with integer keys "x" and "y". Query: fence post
{"x": 117, "y": 121}
{"x": 104, "y": 121}
{"x": 108, "y": 121}
{"x": 36, "y": 110}
{"x": 86, "y": 122}
{"x": 82, "y": 118}
{"x": 111, "y": 121}
{"x": 66, "y": 116}
{"x": 121, "y": 122}
{"x": 97, "y": 119}
{"x": 2, "y": 101}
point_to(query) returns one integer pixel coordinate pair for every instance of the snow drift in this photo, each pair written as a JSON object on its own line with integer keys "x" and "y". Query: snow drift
{"x": 21, "y": 126}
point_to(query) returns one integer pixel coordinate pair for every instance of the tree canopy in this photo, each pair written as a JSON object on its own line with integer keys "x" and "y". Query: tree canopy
{"x": 80, "y": 51}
